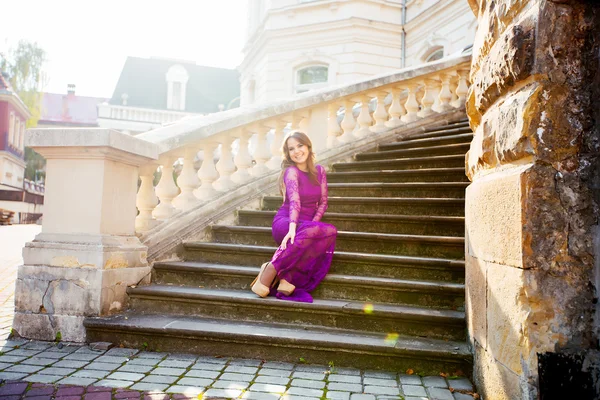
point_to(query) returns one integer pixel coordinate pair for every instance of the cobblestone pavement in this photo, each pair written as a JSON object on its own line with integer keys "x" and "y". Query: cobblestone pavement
{"x": 42, "y": 371}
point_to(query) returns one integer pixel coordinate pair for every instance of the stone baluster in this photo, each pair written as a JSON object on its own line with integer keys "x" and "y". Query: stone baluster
{"x": 242, "y": 160}
{"x": 348, "y": 123}
{"x": 463, "y": 88}
{"x": 364, "y": 119}
{"x": 333, "y": 127}
{"x": 166, "y": 190}
{"x": 146, "y": 199}
{"x": 187, "y": 181}
{"x": 262, "y": 154}
{"x": 207, "y": 172}
{"x": 428, "y": 98}
{"x": 380, "y": 115}
{"x": 445, "y": 93}
{"x": 396, "y": 109}
{"x": 411, "y": 105}
{"x": 275, "y": 162}
{"x": 225, "y": 165}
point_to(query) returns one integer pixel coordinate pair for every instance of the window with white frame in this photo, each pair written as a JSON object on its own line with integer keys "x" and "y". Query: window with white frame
{"x": 11, "y": 129}
{"x": 22, "y": 144}
{"x": 311, "y": 77}
{"x": 177, "y": 78}
{"x": 435, "y": 55}
{"x": 17, "y": 131}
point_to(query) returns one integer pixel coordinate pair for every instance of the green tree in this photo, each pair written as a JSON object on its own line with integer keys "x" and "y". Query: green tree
{"x": 24, "y": 66}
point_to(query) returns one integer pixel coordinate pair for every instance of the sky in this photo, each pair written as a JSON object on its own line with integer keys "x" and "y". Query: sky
{"x": 88, "y": 41}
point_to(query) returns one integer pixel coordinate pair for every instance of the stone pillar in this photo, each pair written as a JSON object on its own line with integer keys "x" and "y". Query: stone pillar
{"x": 532, "y": 211}
{"x": 87, "y": 253}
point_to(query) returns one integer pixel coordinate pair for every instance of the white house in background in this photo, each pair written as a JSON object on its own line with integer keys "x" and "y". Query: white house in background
{"x": 156, "y": 91}
{"x": 297, "y": 45}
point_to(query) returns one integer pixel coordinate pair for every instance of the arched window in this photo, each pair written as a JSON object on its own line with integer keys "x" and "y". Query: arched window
{"x": 435, "y": 55}
{"x": 177, "y": 78}
{"x": 311, "y": 77}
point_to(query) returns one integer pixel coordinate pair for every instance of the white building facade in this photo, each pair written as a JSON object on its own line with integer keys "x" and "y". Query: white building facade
{"x": 297, "y": 45}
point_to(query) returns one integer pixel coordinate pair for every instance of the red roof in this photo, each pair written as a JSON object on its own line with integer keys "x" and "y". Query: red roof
{"x": 70, "y": 109}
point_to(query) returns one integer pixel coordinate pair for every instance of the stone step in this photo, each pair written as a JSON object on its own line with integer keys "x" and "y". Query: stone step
{"x": 434, "y": 141}
{"x": 446, "y": 161}
{"x": 379, "y": 243}
{"x": 344, "y": 263}
{"x": 384, "y": 223}
{"x": 384, "y": 205}
{"x": 448, "y": 295}
{"x": 243, "y": 305}
{"x": 444, "y": 149}
{"x": 455, "y": 174}
{"x": 454, "y": 190}
{"x": 281, "y": 342}
{"x": 437, "y": 132}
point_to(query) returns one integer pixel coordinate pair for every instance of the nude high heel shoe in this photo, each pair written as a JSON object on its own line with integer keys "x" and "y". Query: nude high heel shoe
{"x": 285, "y": 287}
{"x": 257, "y": 287}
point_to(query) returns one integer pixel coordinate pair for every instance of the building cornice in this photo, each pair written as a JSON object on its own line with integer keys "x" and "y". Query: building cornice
{"x": 12, "y": 98}
{"x": 13, "y": 158}
{"x": 422, "y": 17}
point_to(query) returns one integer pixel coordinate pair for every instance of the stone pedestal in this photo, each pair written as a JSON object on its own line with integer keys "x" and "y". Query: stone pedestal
{"x": 87, "y": 253}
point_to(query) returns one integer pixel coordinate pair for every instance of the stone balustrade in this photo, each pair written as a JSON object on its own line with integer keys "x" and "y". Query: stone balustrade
{"x": 400, "y": 98}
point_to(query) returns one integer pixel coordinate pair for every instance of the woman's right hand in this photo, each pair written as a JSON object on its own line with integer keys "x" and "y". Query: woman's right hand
{"x": 291, "y": 235}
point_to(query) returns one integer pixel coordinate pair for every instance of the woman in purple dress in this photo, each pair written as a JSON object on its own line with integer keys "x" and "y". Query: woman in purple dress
{"x": 305, "y": 243}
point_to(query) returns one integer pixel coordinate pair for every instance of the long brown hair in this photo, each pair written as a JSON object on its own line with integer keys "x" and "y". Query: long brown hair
{"x": 287, "y": 160}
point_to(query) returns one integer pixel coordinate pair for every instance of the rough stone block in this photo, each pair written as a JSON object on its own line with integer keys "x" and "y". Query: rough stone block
{"x": 476, "y": 299}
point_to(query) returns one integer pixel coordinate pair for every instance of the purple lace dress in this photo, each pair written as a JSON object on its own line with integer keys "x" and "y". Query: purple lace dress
{"x": 306, "y": 262}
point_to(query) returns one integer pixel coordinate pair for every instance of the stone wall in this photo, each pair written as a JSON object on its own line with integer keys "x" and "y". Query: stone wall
{"x": 532, "y": 211}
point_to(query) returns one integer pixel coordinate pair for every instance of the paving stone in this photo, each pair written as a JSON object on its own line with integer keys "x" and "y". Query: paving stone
{"x": 317, "y": 369}
{"x": 126, "y": 395}
{"x": 462, "y": 396}
{"x": 197, "y": 382}
{"x": 77, "y": 380}
{"x": 15, "y": 342}
{"x": 151, "y": 362}
{"x": 22, "y": 353}
{"x": 357, "y": 396}
{"x": 345, "y": 371}
{"x": 114, "y": 383}
{"x": 207, "y": 367}
{"x": 237, "y": 377}
{"x": 460, "y": 384}
{"x": 112, "y": 359}
{"x": 338, "y": 395}
{"x": 183, "y": 357}
{"x": 268, "y": 388}
{"x": 98, "y": 396}
{"x": 39, "y": 361}
{"x": 140, "y": 369}
{"x": 227, "y": 393}
{"x": 40, "y": 391}
{"x": 250, "y": 395}
{"x": 100, "y": 346}
{"x": 64, "y": 349}
{"x": 344, "y": 378}
{"x": 436, "y": 393}
{"x": 300, "y": 391}
{"x": 125, "y": 376}
{"x": 246, "y": 362}
{"x": 382, "y": 390}
{"x": 379, "y": 375}
{"x": 168, "y": 371}
{"x": 48, "y": 354}
{"x": 150, "y": 387}
{"x": 416, "y": 398}
{"x": 240, "y": 369}
{"x": 185, "y": 389}
{"x": 121, "y": 352}
{"x": 91, "y": 374}
{"x": 380, "y": 382}
{"x": 36, "y": 346}
{"x": 274, "y": 380}
{"x": 156, "y": 396}
{"x": 292, "y": 397}
{"x": 278, "y": 365}
{"x": 165, "y": 379}
{"x": 230, "y": 385}
{"x": 175, "y": 363}
{"x": 70, "y": 391}
{"x": 70, "y": 364}
{"x": 13, "y": 388}
{"x": 312, "y": 384}
{"x": 81, "y": 356}
{"x": 434, "y": 381}
{"x": 29, "y": 369}
{"x": 12, "y": 376}
{"x": 309, "y": 375}
{"x": 413, "y": 390}
{"x": 15, "y": 397}
{"x": 57, "y": 371}
{"x": 212, "y": 360}
{"x": 43, "y": 378}
{"x": 274, "y": 372}
{"x": 96, "y": 388}
{"x": 6, "y": 365}
{"x": 199, "y": 373}
{"x": 345, "y": 387}
{"x": 151, "y": 354}
{"x": 102, "y": 366}
{"x": 410, "y": 380}
{"x": 11, "y": 359}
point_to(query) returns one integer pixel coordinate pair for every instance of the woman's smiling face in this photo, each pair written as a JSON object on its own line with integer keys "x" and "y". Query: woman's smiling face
{"x": 298, "y": 152}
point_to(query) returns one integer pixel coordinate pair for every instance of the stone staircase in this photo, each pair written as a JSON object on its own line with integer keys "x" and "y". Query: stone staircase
{"x": 394, "y": 298}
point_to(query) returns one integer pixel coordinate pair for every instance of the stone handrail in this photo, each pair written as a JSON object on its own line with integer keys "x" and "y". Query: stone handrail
{"x": 416, "y": 93}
